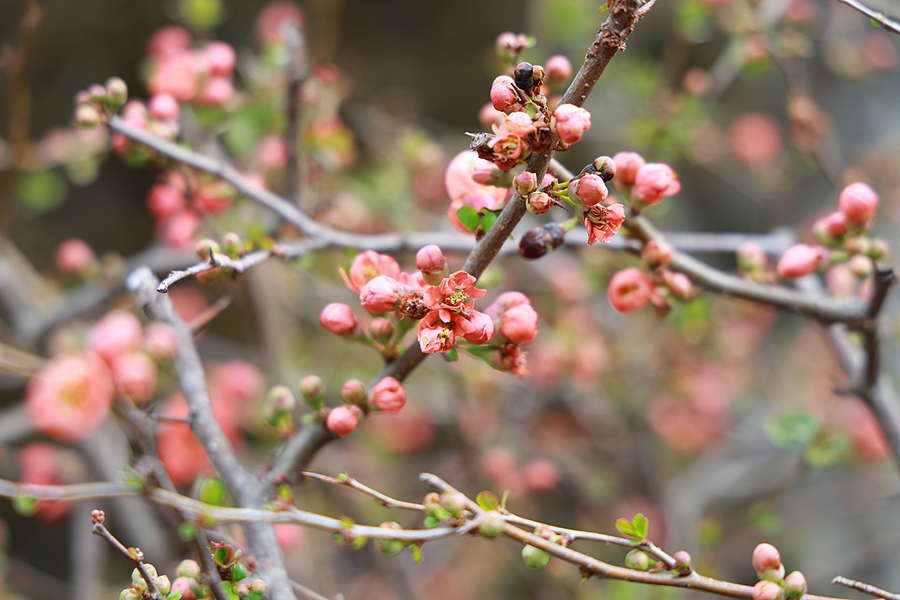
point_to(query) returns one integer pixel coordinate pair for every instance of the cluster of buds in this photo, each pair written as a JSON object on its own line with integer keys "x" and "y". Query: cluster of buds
{"x": 140, "y": 588}
{"x": 644, "y": 183}
{"x": 842, "y": 236}
{"x": 388, "y": 395}
{"x": 773, "y": 584}
{"x": 94, "y": 105}
{"x": 633, "y": 288}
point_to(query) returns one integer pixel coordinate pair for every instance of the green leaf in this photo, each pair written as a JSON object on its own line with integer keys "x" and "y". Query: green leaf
{"x": 450, "y": 355}
{"x": 416, "y": 552}
{"x": 487, "y": 500}
{"x": 25, "y": 505}
{"x": 488, "y": 217}
{"x": 625, "y": 528}
{"x": 359, "y": 542}
{"x": 792, "y": 429}
{"x": 640, "y": 524}
{"x": 431, "y": 522}
{"x": 176, "y": 595}
{"x": 468, "y": 217}
{"x": 214, "y": 492}
{"x": 187, "y": 531}
{"x": 503, "y": 500}
{"x": 603, "y": 8}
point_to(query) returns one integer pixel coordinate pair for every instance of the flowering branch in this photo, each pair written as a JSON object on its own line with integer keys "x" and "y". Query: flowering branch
{"x": 133, "y": 554}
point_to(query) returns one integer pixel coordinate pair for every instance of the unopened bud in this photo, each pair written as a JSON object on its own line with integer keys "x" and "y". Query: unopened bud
{"x": 188, "y": 568}
{"x": 97, "y": 93}
{"x": 794, "y": 585}
{"x": 354, "y": 392}
{"x": 524, "y": 76}
{"x": 206, "y": 248}
{"x": 388, "y": 546}
{"x": 232, "y": 244}
{"x": 312, "y": 390}
{"x": 163, "y": 584}
{"x": 525, "y": 183}
{"x": 87, "y": 116}
{"x": 605, "y": 167}
{"x": 116, "y": 92}
{"x": 538, "y": 203}
{"x": 453, "y": 502}
{"x": 657, "y": 254}
{"x": 491, "y": 524}
{"x": 541, "y": 240}
{"x": 280, "y": 405}
{"x": 879, "y": 250}
{"x": 767, "y": 590}
{"x": 381, "y": 330}
{"x": 682, "y": 562}
{"x": 258, "y": 586}
{"x": 535, "y": 558}
{"x": 637, "y": 560}
{"x": 767, "y": 563}
{"x": 861, "y": 265}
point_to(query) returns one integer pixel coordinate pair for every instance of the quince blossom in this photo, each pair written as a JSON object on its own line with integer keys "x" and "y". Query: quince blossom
{"x": 602, "y": 222}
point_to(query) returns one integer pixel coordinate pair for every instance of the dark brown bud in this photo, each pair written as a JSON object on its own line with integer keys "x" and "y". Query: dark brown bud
{"x": 541, "y": 240}
{"x": 523, "y": 76}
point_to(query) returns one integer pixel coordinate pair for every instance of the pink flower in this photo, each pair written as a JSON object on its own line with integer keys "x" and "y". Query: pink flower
{"x": 602, "y": 222}
{"x": 338, "y": 319}
{"x": 799, "y": 260}
{"x": 483, "y": 328}
{"x": 70, "y": 397}
{"x": 388, "y": 395}
{"x": 454, "y": 295}
{"x": 858, "y": 201}
{"x": 538, "y": 203}
{"x": 164, "y": 107}
{"x": 569, "y": 122}
{"x": 160, "y": 341}
{"x": 382, "y": 294}
{"x": 343, "y": 419}
{"x": 272, "y": 153}
{"x": 238, "y": 381}
{"x": 558, "y": 68}
{"x": 164, "y": 200}
{"x": 503, "y": 93}
{"x": 680, "y": 284}
{"x": 464, "y": 191}
{"x": 756, "y": 139}
{"x": 430, "y": 258}
{"x": 525, "y": 183}
{"x": 653, "y": 182}
{"x": 39, "y": 462}
{"x": 177, "y": 229}
{"x": 506, "y": 301}
{"x": 589, "y": 188}
{"x": 168, "y": 39}
{"x": 118, "y": 332}
{"x": 541, "y": 474}
{"x": 221, "y": 58}
{"x": 435, "y": 335}
{"x": 657, "y": 253}
{"x": 274, "y": 17}
{"x": 367, "y": 266}
{"x": 627, "y": 166}
{"x": 629, "y": 290}
{"x": 217, "y": 91}
{"x": 74, "y": 256}
{"x": 134, "y": 376}
{"x": 175, "y": 73}
{"x": 519, "y": 324}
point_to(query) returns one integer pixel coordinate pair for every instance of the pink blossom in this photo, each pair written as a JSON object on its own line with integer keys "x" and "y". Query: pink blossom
{"x": 274, "y": 17}
{"x": 483, "y": 328}
{"x": 627, "y": 166}
{"x": 343, "y": 419}
{"x": 382, "y": 294}
{"x": 430, "y": 258}
{"x": 180, "y": 452}
{"x": 569, "y": 122}
{"x": 503, "y": 93}
{"x": 589, "y": 188}
{"x": 39, "y": 462}
{"x": 289, "y": 536}
{"x": 388, "y": 395}
{"x": 602, "y": 222}
{"x": 164, "y": 107}
{"x": 629, "y": 290}
{"x": 525, "y": 183}
{"x": 831, "y": 228}
{"x": 338, "y": 319}
{"x": 799, "y": 260}
{"x": 489, "y": 116}
{"x": 657, "y": 253}
{"x": 435, "y": 335}
{"x": 506, "y": 301}
{"x": 118, "y": 332}
{"x": 134, "y": 376}
{"x": 541, "y": 474}
{"x": 519, "y": 324}
{"x": 70, "y": 397}
{"x": 160, "y": 341}
{"x": 238, "y": 381}
{"x": 367, "y": 266}
{"x": 177, "y": 229}
{"x": 558, "y": 68}
{"x": 164, "y": 200}
{"x": 221, "y": 58}
{"x": 538, "y": 203}
{"x": 858, "y": 201}
{"x": 272, "y": 153}
{"x": 213, "y": 197}
{"x": 680, "y": 284}
{"x": 767, "y": 562}
{"x": 217, "y": 91}
{"x": 464, "y": 191}
{"x": 455, "y": 294}
{"x": 653, "y": 182}
{"x": 74, "y": 256}
{"x": 168, "y": 39}
{"x": 175, "y": 73}
{"x": 756, "y": 139}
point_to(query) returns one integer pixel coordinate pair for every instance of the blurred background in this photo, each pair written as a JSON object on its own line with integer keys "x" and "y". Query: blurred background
{"x": 720, "y": 422}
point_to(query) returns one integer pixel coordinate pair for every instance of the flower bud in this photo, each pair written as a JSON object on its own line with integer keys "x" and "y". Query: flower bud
{"x": 343, "y": 420}
{"x": 679, "y": 284}
{"x": 431, "y": 261}
{"x": 751, "y": 257}
{"x": 258, "y": 586}
{"x": 538, "y": 203}
{"x": 491, "y": 524}
{"x": 539, "y": 241}
{"x": 799, "y": 260}
{"x": 87, "y": 116}
{"x": 239, "y": 572}
{"x": 388, "y": 395}
{"x": 858, "y": 201}
{"x": 75, "y": 257}
{"x": 279, "y": 406}
{"x": 657, "y": 254}
{"x": 164, "y": 107}
{"x": 354, "y": 392}
{"x": 188, "y": 568}
{"x": 629, "y": 290}
{"x": 163, "y": 584}
{"x": 569, "y": 122}
{"x": 453, "y": 502}
{"x": 381, "y": 294}
{"x": 589, "y": 188}
{"x": 97, "y": 93}
{"x": 794, "y": 585}
{"x": 388, "y": 546}
{"x": 503, "y": 94}
{"x": 519, "y": 324}
{"x": 559, "y": 70}
{"x": 767, "y": 590}
{"x": 535, "y": 558}
{"x": 232, "y": 244}
{"x": 381, "y": 330}
{"x": 116, "y": 92}
{"x": 767, "y": 563}
{"x": 682, "y": 562}
{"x": 627, "y": 165}
{"x": 637, "y": 560}
{"x": 338, "y": 319}
{"x": 312, "y": 390}
{"x": 525, "y": 183}
{"x": 879, "y": 250}
{"x": 861, "y": 265}
{"x": 830, "y": 229}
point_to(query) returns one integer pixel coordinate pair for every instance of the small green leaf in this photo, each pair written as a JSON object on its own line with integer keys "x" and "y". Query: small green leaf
{"x": 503, "y": 500}
{"x": 450, "y": 355}
{"x": 488, "y": 217}
{"x": 603, "y": 8}
{"x": 176, "y": 595}
{"x": 359, "y": 542}
{"x": 214, "y": 492}
{"x": 487, "y": 500}
{"x": 792, "y": 429}
{"x": 416, "y": 552}
{"x": 25, "y": 505}
{"x": 640, "y": 524}
{"x": 468, "y": 217}
{"x": 431, "y": 522}
{"x": 625, "y": 528}
{"x": 40, "y": 192}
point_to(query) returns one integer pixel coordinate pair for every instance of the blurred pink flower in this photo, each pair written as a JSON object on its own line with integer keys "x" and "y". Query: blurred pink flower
{"x": 368, "y": 265}
{"x": 134, "y": 375}
{"x": 39, "y": 462}
{"x": 627, "y": 165}
{"x": 74, "y": 257}
{"x": 464, "y": 191}
{"x": 70, "y": 397}
{"x": 756, "y": 139}
{"x": 176, "y": 73}
{"x": 338, "y": 319}
{"x": 117, "y": 332}
{"x": 629, "y": 290}
{"x": 800, "y": 260}
{"x": 273, "y": 18}
{"x": 858, "y": 202}
{"x": 653, "y": 182}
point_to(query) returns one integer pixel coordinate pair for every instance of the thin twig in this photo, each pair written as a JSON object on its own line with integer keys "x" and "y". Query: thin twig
{"x": 350, "y": 482}
{"x": 134, "y": 555}
{"x": 865, "y": 588}
{"x": 876, "y": 15}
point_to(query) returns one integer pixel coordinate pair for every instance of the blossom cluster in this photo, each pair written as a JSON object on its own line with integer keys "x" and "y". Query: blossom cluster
{"x": 633, "y": 288}
{"x": 842, "y": 238}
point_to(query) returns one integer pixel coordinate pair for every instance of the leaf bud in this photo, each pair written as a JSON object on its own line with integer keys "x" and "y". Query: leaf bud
{"x": 794, "y": 585}
{"x": 491, "y": 524}
{"x": 535, "y": 558}
{"x": 389, "y": 546}
{"x": 637, "y": 560}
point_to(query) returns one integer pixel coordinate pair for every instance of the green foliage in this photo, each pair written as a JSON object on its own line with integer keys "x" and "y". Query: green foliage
{"x": 635, "y": 529}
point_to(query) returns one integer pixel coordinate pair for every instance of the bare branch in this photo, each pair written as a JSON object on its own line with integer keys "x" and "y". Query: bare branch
{"x": 876, "y": 15}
